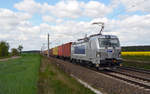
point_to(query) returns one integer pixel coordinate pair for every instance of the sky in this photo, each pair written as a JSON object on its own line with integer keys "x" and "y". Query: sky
{"x": 27, "y": 22}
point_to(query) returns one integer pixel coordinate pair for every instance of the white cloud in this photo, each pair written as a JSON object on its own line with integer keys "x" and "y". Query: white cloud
{"x": 48, "y": 19}
{"x": 114, "y": 3}
{"x": 95, "y": 9}
{"x": 135, "y": 5}
{"x": 17, "y": 29}
{"x": 51, "y": 19}
{"x": 66, "y": 8}
{"x": 133, "y": 30}
{"x": 4, "y": 36}
{"x": 9, "y": 19}
{"x": 29, "y": 6}
{"x": 69, "y": 9}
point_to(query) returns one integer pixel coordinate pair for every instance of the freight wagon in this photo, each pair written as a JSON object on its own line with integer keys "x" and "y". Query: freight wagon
{"x": 67, "y": 50}
{"x": 45, "y": 52}
{"x": 64, "y": 51}
{"x": 60, "y": 51}
{"x": 55, "y": 51}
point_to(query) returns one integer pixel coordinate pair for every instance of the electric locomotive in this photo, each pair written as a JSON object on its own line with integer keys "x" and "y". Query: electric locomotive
{"x": 97, "y": 50}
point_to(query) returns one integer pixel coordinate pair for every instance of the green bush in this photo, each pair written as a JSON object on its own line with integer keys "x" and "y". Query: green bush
{"x": 4, "y": 47}
{"x": 14, "y": 52}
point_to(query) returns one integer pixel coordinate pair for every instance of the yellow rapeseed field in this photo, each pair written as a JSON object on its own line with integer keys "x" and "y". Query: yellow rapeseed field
{"x": 145, "y": 53}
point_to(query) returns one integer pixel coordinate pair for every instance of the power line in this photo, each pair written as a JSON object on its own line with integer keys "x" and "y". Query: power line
{"x": 48, "y": 45}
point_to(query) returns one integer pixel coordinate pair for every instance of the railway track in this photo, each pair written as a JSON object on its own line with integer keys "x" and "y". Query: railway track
{"x": 136, "y": 69}
{"x": 131, "y": 75}
{"x": 139, "y": 81}
{"x": 140, "y": 77}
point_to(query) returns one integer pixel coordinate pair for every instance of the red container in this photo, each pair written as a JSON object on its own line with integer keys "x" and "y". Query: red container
{"x": 63, "y": 50}
{"x": 66, "y": 52}
{"x": 60, "y": 50}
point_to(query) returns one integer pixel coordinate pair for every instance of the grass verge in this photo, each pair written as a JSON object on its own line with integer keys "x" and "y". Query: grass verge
{"x": 19, "y": 76}
{"x": 137, "y": 58}
{"x": 137, "y": 61}
{"x": 52, "y": 80}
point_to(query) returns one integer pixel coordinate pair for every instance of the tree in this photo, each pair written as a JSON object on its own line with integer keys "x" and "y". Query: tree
{"x": 20, "y": 47}
{"x": 14, "y": 52}
{"x": 4, "y": 47}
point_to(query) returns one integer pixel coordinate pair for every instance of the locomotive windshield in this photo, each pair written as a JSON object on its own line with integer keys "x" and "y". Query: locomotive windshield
{"x": 109, "y": 42}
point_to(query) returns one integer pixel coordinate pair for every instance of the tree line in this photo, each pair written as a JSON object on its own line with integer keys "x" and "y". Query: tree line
{"x": 4, "y": 50}
{"x": 136, "y": 48}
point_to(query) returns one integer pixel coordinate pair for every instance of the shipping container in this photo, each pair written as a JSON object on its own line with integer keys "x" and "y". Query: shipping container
{"x": 52, "y": 52}
{"x": 66, "y": 49}
{"x": 55, "y": 51}
{"x": 60, "y": 50}
{"x": 63, "y": 50}
{"x": 45, "y": 52}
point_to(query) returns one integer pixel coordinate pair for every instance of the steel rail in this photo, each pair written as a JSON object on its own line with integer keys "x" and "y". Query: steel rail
{"x": 130, "y": 75}
{"x": 135, "y": 69}
{"x": 124, "y": 79}
{"x": 121, "y": 78}
{"x": 133, "y": 76}
{"x": 127, "y": 80}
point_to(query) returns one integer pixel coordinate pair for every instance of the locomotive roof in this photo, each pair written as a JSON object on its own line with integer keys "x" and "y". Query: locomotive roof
{"x": 93, "y": 37}
{"x": 103, "y": 36}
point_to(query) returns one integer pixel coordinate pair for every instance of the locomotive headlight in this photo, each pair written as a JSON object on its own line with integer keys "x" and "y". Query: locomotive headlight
{"x": 98, "y": 54}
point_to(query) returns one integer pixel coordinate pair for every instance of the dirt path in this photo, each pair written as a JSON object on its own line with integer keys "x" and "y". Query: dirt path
{"x": 14, "y": 57}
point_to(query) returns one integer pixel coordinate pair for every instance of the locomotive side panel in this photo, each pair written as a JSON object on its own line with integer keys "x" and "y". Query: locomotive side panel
{"x": 79, "y": 51}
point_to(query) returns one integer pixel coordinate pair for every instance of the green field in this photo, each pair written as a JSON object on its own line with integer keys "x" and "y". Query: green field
{"x": 137, "y": 58}
{"x": 137, "y": 61}
{"x": 19, "y": 76}
{"x": 55, "y": 81}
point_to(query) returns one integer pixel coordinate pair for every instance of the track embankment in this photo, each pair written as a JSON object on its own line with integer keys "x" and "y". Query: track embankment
{"x": 103, "y": 82}
{"x": 52, "y": 80}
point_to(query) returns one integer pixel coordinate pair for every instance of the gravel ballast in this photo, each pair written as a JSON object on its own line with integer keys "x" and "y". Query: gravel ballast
{"x": 98, "y": 80}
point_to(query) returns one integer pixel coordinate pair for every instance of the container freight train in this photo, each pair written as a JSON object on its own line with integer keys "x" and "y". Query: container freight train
{"x": 97, "y": 50}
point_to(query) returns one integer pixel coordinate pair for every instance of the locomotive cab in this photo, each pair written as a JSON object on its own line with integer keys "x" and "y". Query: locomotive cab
{"x": 109, "y": 51}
